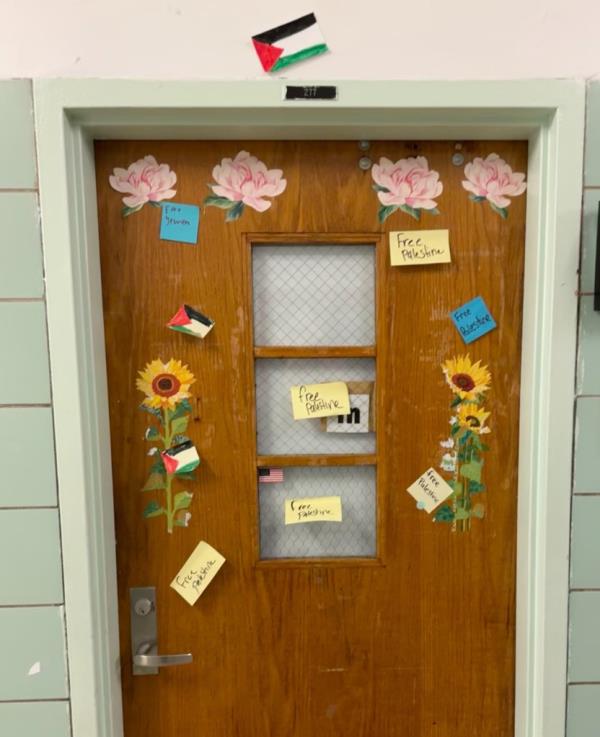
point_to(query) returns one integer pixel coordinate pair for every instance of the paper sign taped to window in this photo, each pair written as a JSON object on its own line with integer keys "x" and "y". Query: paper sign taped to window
{"x": 313, "y": 509}
{"x": 197, "y": 572}
{"x": 361, "y": 417}
{"x": 419, "y": 247}
{"x": 320, "y": 400}
{"x": 430, "y": 490}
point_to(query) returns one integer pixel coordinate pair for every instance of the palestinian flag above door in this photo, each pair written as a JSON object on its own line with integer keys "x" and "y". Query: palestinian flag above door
{"x": 290, "y": 43}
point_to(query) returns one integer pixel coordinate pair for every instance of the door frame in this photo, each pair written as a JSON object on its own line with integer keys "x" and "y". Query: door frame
{"x": 549, "y": 114}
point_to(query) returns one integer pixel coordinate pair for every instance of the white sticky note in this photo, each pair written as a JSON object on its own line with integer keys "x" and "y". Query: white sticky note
{"x": 419, "y": 247}
{"x": 313, "y": 509}
{"x": 197, "y": 572}
{"x": 430, "y": 490}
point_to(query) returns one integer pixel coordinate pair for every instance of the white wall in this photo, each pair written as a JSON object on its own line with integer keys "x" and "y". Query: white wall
{"x": 380, "y": 39}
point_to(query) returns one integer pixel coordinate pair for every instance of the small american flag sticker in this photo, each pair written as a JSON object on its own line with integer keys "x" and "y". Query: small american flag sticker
{"x": 270, "y": 475}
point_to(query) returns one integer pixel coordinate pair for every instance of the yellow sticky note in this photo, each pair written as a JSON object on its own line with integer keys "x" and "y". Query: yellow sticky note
{"x": 419, "y": 247}
{"x": 430, "y": 490}
{"x": 320, "y": 400}
{"x": 313, "y": 509}
{"x": 197, "y": 572}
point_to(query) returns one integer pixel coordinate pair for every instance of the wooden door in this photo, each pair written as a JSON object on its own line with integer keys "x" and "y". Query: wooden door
{"x": 393, "y": 624}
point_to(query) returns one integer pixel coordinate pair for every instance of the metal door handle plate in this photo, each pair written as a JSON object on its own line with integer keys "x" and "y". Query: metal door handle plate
{"x": 144, "y": 646}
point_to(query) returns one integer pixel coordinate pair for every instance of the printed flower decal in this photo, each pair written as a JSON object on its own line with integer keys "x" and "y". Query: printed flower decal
{"x": 469, "y": 383}
{"x": 244, "y": 181}
{"x": 166, "y": 388}
{"x": 408, "y": 185}
{"x": 492, "y": 179}
{"x": 143, "y": 181}
{"x": 468, "y": 380}
{"x": 165, "y": 384}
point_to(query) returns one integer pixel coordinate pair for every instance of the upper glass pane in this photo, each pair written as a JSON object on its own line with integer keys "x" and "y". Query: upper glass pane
{"x": 307, "y": 295}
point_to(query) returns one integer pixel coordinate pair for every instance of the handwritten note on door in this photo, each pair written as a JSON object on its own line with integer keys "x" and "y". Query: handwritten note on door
{"x": 320, "y": 400}
{"x": 313, "y": 509}
{"x": 430, "y": 490}
{"x": 419, "y": 247}
{"x": 197, "y": 572}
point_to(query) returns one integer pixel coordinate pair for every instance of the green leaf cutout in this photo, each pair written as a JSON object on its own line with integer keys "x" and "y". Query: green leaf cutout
{"x": 456, "y": 486}
{"x": 433, "y": 211}
{"x": 476, "y": 487}
{"x": 158, "y": 467}
{"x": 179, "y": 424}
{"x": 379, "y": 188}
{"x": 182, "y": 408}
{"x": 182, "y": 500}
{"x": 153, "y": 509}
{"x": 152, "y": 411}
{"x": 152, "y": 433}
{"x": 455, "y": 402}
{"x": 155, "y": 481}
{"x": 156, "y": 204}
{"x": 413, "y": 212}
{"x": 126, "y": 211}
{"x": 385, "y": 211}
{"x": 221, "y": 202}
{"x": 186, "y": 476}
{"x": 471, "y": 471}
{"x": 455, "y": 429}
{"x": 234, "y": 212}
{"x": 462, "y": 514}
{"x": 444, "y": 514}
{"x": 476, "y": 198}
{"x": 502, "y": 211}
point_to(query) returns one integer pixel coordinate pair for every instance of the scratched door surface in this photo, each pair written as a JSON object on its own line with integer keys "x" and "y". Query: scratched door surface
{"x": 387, "y": 624}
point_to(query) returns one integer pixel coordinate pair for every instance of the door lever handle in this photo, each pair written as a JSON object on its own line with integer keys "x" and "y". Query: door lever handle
{"x": 146, "y": 659}
{"x": 145, "y": 656}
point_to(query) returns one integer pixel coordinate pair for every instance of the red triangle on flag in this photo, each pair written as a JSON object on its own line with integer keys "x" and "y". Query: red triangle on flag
{"x": 267, "y": 54}
{"x": 179, "y": 318}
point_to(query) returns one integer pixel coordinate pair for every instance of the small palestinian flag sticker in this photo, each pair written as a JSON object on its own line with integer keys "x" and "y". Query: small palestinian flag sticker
{"x": 190, "y": 321}
{"x": 290, "y": 43}
{"x": 182, "y": 458}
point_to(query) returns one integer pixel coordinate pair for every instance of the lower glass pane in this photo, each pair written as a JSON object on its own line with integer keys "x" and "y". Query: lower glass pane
{"x": 354, "y": 536}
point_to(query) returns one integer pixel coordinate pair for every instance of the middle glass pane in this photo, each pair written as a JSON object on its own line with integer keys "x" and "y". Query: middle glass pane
{"x": 278, "y": 432}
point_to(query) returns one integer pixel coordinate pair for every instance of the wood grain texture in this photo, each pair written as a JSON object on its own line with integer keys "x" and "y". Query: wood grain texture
{"x": 419, "y": 641}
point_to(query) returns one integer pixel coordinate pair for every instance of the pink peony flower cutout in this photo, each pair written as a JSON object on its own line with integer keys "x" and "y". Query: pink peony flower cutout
{"x": 408, "y": 185}
{"x": 242, "y": 181}
{"x": 492, "y": 179}
{"x": 143, "y": 181}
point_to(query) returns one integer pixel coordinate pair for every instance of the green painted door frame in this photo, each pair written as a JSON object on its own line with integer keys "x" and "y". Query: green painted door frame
{"x": 550, "y": 114}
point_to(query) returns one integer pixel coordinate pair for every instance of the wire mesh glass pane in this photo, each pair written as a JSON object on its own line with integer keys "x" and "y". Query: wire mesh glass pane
{"x": 314, "y": 295}
{"x": 278, "y": 432}
{"x": 354, "y": 536}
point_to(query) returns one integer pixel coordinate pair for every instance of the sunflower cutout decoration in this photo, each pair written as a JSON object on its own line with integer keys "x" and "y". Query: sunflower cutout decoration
{"x": 166, "y": 386}
{"x": 469, "y": 383}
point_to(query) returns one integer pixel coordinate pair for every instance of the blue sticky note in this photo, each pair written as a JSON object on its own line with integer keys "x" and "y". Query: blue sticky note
{"x": 472, "y": 320}
{"x": 179, "y": 222}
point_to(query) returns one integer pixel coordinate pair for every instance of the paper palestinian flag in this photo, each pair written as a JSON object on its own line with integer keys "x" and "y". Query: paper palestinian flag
{"x": 287, "y": 44}
{"x": 190, "y": 321}
{"x": 182, "y": 458}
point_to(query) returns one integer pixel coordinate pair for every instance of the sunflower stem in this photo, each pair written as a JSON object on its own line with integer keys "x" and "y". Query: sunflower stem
{"x": 168, "y": 437}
